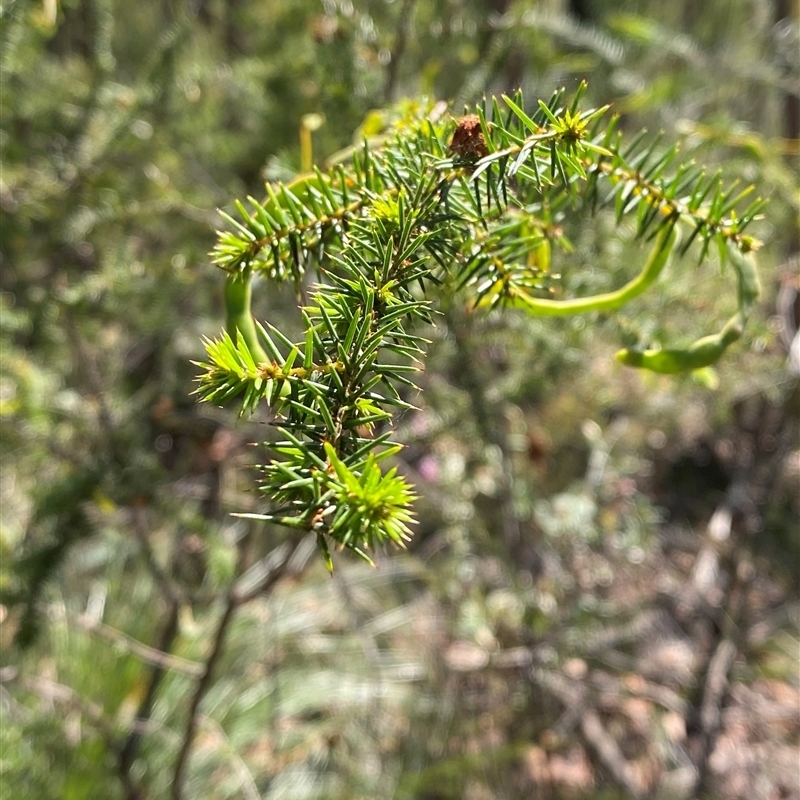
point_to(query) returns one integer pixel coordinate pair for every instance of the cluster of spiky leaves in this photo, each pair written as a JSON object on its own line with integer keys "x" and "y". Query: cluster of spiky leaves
{"x": 476, "y": 204}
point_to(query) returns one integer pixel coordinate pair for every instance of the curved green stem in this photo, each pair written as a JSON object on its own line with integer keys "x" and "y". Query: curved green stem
{"x": 239, "y": 321}
{"x": 707, "y": 350}
{"x": 610, "y": 300}
{"x": 701, "y": 353}
{"x": 749, "y": 287}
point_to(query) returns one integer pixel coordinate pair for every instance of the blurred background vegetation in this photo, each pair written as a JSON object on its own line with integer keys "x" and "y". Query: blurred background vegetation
{"x": 601, "y": 600}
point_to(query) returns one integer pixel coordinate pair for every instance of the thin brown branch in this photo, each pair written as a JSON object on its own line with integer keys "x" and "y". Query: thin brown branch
{"x": 608, "y": 753}
{"x": 260, "y": 578}
{"x": 575, "y": 697}
{"x": 66, "y": 695}
{"x": 149, "y": 655}
{"x": 293, "y": 561}
{"x": 662, "y": 695}
{"x": 710, "y": 714}
{"x": 715, "y": 686}
{"x": 60, "y": 693}
{"x": 486, "y": 422}
{"x": 247, "y": 782}
{"x": 174, "y": 600}
{"x": 572, "y": 694}
{"x": 171, "y": 592}
{"x": 203, "y": 685}
{"x": 166, "y": 640}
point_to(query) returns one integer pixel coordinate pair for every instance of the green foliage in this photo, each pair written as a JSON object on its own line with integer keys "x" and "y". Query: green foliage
{"x": 537, "y": 459}
{"x": 57, "y": 769}
{"x": 468, "y": 205}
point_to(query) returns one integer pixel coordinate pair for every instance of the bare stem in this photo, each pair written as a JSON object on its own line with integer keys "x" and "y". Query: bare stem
{"x": 234, "y": 599}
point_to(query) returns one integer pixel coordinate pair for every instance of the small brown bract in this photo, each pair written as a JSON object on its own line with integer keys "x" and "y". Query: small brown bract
{"x": 468, "y": 141}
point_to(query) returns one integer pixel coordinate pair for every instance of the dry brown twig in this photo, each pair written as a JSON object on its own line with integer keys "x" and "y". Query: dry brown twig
{"x": 293, "y": 561}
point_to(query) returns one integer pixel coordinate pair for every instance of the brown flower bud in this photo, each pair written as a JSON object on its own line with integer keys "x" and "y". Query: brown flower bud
{"x": 468, "y": 141}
